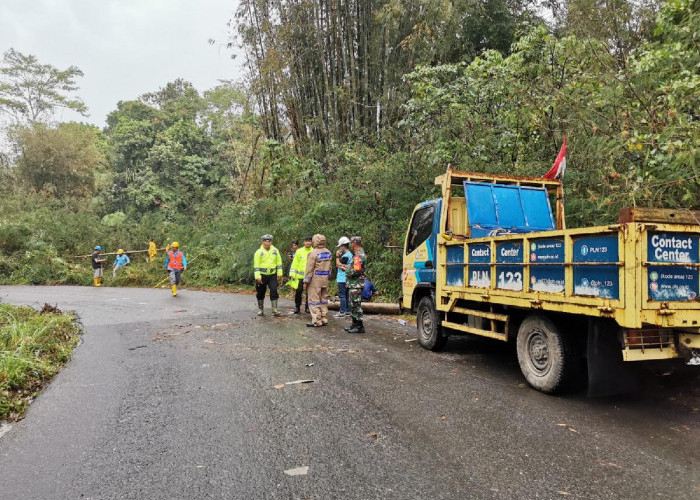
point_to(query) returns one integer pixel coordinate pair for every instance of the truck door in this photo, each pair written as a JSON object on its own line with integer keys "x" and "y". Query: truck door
{"x": 420, "y": 249}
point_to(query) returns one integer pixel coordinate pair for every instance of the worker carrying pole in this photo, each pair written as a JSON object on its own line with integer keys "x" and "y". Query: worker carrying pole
{"x": 175, "y": 264}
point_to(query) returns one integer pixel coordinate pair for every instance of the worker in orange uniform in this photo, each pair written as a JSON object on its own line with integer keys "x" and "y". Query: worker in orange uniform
{"x": 318, "y": 270}
{"x": 175, "y": 264}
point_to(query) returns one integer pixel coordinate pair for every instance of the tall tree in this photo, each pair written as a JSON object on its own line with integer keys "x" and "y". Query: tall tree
{"x": 329, "y": 71}
{"x": 31, "y": 92}
{"x": 61, "y": 161}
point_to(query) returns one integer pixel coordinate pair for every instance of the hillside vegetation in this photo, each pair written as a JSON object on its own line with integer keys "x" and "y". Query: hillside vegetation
{"x": 349, "y": 111}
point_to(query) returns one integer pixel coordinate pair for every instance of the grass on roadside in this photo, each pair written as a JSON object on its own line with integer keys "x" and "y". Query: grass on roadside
{"x": 34, "y": 346}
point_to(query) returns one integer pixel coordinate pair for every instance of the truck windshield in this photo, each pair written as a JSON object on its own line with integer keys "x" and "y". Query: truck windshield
{"x": 421, "y": 228}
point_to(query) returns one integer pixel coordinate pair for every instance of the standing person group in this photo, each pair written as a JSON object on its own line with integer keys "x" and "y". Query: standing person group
{"x": 175, "y": 263}
{"x": 312, "y": 267}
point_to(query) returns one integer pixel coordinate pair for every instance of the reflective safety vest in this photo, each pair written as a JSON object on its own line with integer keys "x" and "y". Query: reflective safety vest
{"x": 175, "y": 260}
{"x": 298, "y": 269}
{"x": 267, "y": 262}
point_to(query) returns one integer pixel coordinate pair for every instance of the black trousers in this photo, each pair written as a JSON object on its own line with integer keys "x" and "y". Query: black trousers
{"x": 297, "y": 296}
{"x": 268, "y": 280}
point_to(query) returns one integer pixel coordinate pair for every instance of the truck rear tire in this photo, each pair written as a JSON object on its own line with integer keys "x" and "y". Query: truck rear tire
{"x": 544, "y": 354}
{"x": 429, "y": 331}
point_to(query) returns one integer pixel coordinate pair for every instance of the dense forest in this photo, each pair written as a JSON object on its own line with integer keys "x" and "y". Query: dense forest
{"x": 347, "y": 111}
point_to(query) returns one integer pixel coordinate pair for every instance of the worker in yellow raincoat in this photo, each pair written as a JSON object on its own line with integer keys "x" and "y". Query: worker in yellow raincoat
{"x": 296, "y": 274}
{"x": 152, "y": 250}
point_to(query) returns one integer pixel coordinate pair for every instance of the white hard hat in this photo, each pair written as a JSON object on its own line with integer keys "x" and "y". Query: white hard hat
{"x": 344, "y": 240}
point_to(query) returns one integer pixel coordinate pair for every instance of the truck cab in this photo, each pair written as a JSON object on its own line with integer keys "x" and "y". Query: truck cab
{"x": 420, "y": 253}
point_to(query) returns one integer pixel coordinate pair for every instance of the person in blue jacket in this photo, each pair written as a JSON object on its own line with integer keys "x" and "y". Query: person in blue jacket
{"x": 368, "y": 290}
{"x": 120, "y": 261}
{"x": 342, "y": 261}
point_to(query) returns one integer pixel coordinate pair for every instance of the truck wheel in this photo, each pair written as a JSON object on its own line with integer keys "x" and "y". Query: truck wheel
{"x": 544, "y": 354}
{"x": 429, "y": 331}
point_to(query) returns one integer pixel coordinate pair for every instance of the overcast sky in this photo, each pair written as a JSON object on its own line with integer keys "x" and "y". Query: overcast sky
{"x": 124, "y": 47}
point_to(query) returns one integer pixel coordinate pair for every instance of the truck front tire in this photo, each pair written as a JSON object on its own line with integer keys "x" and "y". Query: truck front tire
{"x": 544, "y": 354}
{"x": 429, "y": 330}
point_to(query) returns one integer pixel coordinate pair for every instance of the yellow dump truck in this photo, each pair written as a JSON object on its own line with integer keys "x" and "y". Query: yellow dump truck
{"x": 491, "y": 258}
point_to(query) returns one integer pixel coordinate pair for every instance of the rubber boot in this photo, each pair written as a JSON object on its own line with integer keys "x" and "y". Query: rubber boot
{"x": 297, "y": 310}
{"x": 96, "y": 281}
{"x": 357, "y": 327}
{"x": 261, "y": 307}
{"x": 174, "y": 287}
{"x": 275, "y": 311}
{"x": 99, "y": 281}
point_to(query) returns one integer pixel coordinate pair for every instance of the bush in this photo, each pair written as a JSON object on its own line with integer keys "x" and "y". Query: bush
{"x": 33, "y": 348}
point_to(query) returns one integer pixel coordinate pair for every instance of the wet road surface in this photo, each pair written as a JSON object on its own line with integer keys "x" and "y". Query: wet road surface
{"x": 186, "y": 398}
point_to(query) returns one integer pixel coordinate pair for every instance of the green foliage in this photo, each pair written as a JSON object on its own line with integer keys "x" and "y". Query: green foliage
{"x": 61, "y": 161}
{"x": 33, "y": 348}
{"x": 205, "y": 170}
{"x": 115, "y": 219}
{"x": 633, "y": 138}
{"x": 31, "y": 91}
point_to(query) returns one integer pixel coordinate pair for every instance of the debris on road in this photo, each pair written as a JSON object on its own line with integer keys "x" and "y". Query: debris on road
{"x": 568, "y": 427}
{"x": 49, "y": 309}
{"x": 298, "y": 471}
{"x": 309, "y": 365}
{"x": 299, "y": 382}
{"x": 402, "y": 322}
{"x": 374, "y": 435}
{"x": 137, "y": 347}
{"x": 410, "y": 340}
{"x": 279, "y": 386}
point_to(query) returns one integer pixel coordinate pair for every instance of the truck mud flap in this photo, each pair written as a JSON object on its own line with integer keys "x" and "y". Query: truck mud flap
{"x": 607, "y": 373}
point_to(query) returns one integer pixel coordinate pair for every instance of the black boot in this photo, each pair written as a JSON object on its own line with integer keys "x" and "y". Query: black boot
{"x": 357, "y": 327}
{"x": 297, "y": 310}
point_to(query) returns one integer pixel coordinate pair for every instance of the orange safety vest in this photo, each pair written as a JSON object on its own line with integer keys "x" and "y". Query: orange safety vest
{"x": 174, "y": 260}
{"x": 357, "y": 263}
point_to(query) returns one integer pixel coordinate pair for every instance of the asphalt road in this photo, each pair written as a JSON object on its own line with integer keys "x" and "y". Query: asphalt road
{"x": 170, "y": 398}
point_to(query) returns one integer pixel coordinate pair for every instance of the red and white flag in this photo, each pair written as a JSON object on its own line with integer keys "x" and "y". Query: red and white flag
{"x": 559, "y": 167}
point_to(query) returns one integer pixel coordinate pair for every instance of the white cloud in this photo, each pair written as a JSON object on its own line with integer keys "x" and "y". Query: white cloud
{"x": 124, "y": 47}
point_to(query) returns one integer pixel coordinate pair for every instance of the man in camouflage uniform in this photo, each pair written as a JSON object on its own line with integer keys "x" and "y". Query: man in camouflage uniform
{"x": 356, "y": 282}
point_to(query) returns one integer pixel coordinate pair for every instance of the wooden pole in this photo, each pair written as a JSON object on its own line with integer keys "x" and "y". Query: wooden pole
{"x": 372, "y": 307}
{"x": 115, "y": 253}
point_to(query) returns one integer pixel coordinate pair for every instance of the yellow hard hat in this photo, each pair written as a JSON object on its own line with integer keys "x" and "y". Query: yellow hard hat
{"x": 174, "y": 244}
{"x": 120, "y": 251}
